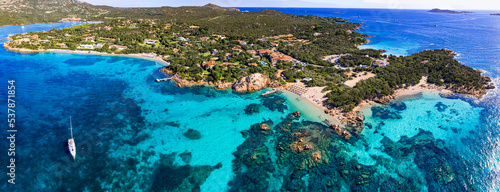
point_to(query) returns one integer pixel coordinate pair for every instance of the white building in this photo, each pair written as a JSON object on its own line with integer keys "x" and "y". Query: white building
{"x": 86, "y": 46}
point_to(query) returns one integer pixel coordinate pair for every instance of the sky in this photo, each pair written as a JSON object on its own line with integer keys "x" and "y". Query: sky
{"x": 388, "y": 4}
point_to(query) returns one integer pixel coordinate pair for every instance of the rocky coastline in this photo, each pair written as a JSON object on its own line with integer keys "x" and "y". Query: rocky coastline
{"x": 22, "y": 50}
{"x": 352, "y": 121}
{"x": 251, "y": 83}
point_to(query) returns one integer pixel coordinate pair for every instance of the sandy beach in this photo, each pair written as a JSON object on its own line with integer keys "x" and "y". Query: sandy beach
{"x": 317, "y": 97}
{"x": 136, "y": 55}
{"x": 313, "y": 95}
{"x": 422, "y": 86}
{"x": 147, "y": 56}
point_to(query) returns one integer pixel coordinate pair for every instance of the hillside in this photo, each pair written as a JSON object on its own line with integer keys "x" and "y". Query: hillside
{"x": 18, "y": 12}
{"x": 15, "y": 12}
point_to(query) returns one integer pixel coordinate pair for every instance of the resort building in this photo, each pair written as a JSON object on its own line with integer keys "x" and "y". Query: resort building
{"x": 61, "y": 45}
{"x": 119, "y": 47}
{"x": 86, "y": 46}
{"x": 236, "y": 49}
{"x": 253, "y": 52}
{"x": 265, "y": 52}
{"x": 219, "y": 36}
{"x": 210, "y": 64}
{"x": 182, "y": 39}
{"x": 275, "y": 57}
{"x": 88, "y": 39}
{"x": 150, "y": 41}
{"x": 380, "y": 63}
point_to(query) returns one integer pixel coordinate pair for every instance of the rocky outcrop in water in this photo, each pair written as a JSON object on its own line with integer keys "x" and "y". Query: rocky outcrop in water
{"x": 192, "y": 134}
{"x": 252, "y": 108}
{"x": 341, "y": 132}
{"x": 253, "y": 82}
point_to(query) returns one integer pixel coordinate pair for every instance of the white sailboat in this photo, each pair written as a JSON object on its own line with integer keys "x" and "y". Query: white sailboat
{"x": 71, "y": 142}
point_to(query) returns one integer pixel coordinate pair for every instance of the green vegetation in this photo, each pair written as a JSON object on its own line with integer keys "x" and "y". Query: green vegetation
{"x": 438, "y": 65}
{"x": 15, "y": 12}
{"x": 214, "y": 44}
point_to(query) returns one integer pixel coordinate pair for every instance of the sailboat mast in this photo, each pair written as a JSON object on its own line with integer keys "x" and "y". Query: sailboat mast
{"x": 71, "y": 127}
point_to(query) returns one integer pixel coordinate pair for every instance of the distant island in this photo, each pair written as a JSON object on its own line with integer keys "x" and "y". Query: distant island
{"x": 447, "y": 11}
{"x": 496, "y": 14}
{"x": 249, "y": 51}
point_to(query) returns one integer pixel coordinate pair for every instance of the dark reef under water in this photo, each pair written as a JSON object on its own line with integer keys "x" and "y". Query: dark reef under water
{"x": 299, "y": 155}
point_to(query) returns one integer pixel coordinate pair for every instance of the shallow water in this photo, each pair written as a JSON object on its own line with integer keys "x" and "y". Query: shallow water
{"x": 134, "y": 134}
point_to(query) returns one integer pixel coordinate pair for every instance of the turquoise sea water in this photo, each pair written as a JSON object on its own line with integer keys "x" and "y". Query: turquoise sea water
{"x": 135, "y": 134}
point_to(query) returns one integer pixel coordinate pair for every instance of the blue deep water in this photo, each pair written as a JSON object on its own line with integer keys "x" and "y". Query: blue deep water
{"x": 133, "y": 134}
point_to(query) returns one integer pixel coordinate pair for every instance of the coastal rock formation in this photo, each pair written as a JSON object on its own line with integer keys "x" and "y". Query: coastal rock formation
{"x": 344, "y": 133}
{"x": 165, "y": 70}
{"x": 9, "y": 47}
{"x": 265, "y": 127}
{"x": 296, "y": 114}
{"x": 384, "y": 99}
{"x": 223, "y": 85}
{"x": 179, "y": 81}
{"x": 192, "y": 134}
{"x": 317, "y": 157}
{"x": 489, "y": 86}
{"x": 253, "y": 82}
{"x": 478, "y": 93}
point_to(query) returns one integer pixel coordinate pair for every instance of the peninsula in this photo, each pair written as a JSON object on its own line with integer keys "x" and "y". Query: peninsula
{"x": 314, "y": 57}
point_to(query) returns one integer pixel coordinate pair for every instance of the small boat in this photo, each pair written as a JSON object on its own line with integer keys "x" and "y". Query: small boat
{"x": 71, "y": 142}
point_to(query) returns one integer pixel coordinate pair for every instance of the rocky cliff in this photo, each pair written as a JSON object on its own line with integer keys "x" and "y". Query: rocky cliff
{"x": 253, "y": 82}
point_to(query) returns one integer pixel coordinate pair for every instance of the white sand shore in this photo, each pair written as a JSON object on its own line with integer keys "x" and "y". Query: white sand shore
{"x": 422, "y": 86}
{"x": 147, "y": 56}
{"x": 317, "y": 97}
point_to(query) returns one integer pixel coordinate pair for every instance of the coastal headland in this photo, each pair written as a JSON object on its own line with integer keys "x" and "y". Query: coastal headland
{"x": 313, "y": 57}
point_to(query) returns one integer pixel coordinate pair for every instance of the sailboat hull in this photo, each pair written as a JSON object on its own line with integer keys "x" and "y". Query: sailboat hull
{"x": 72, "y": 147}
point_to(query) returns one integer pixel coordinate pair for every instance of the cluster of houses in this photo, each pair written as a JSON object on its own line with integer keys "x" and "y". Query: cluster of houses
{"x": 74, "y": 19}
{"x": 273, "y": 56}
{"x": 150, "y": 41}
{"x": 90, "y": 46}
{"x": 289, "y": 36}
{"x": 99, "y": 45}
{"x": 211, "y": 64}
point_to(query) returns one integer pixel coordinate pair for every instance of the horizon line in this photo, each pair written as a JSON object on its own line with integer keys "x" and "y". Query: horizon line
{"x": 313, "y": 8}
